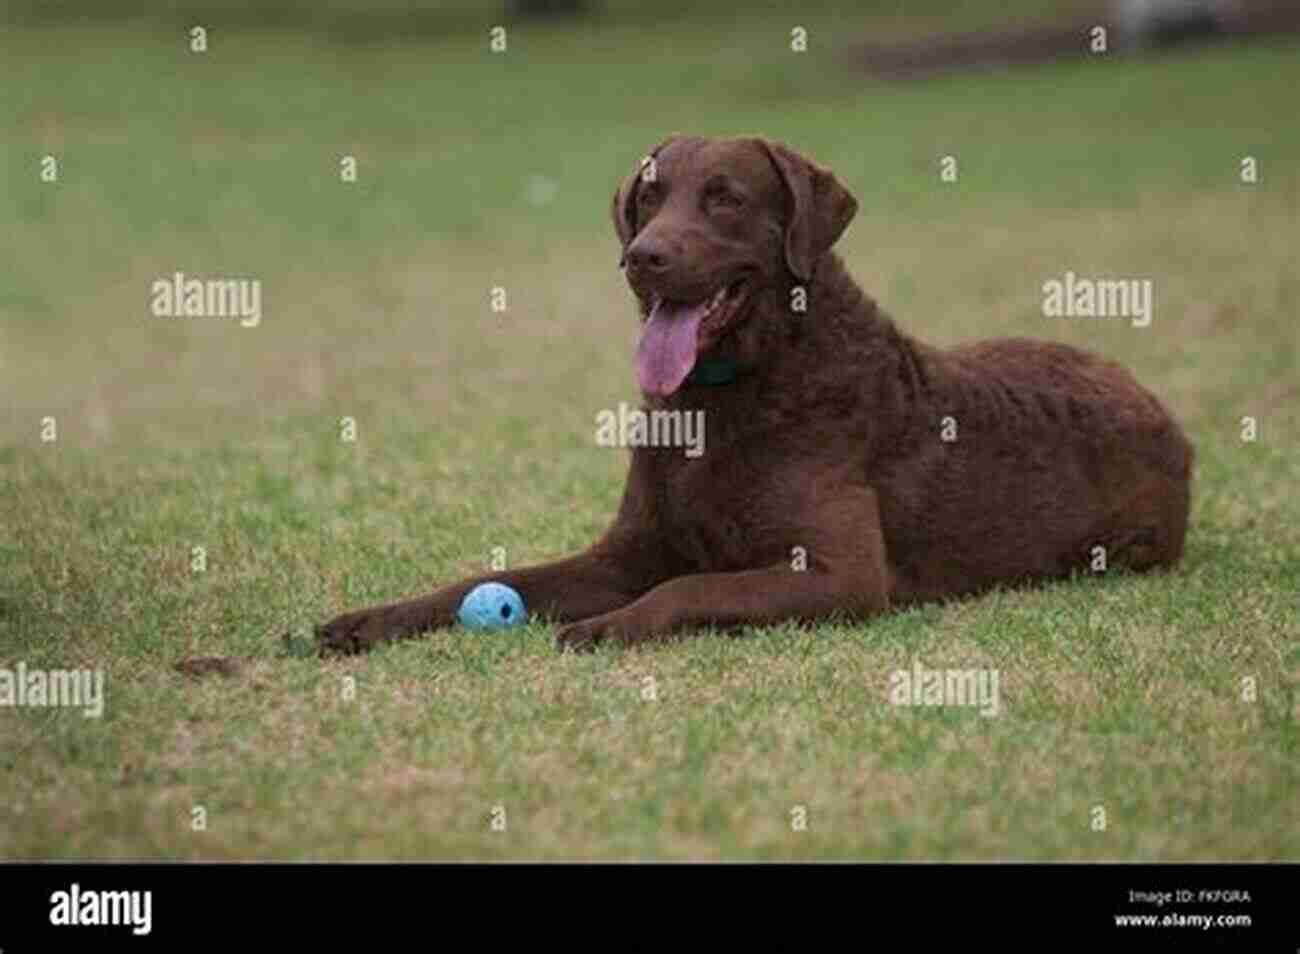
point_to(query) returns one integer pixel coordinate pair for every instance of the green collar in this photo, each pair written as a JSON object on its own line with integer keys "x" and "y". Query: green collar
{"x": 721, "y": 371}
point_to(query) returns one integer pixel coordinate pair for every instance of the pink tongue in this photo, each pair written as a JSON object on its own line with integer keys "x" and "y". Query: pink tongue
{"x": 666, "y": 353}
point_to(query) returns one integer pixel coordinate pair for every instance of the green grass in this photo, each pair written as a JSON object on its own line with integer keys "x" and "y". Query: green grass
{"x": 476, "y": 430}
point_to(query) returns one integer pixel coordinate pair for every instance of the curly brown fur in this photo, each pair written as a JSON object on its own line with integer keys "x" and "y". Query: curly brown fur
{"x": 848, "y": 467}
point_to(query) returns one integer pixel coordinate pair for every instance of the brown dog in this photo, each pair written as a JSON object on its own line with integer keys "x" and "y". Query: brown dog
{"x": 849, "y": 468}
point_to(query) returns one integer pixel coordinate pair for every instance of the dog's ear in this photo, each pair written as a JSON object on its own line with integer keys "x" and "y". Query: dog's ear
{"x": 624, "y": 211}
{"x": 818, "y": 211}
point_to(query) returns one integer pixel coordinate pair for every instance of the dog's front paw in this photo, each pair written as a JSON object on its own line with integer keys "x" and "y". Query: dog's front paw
{"x": 620, "y": 626}
{"x": 356, "y": 632}
{"x": 580, "y": 637}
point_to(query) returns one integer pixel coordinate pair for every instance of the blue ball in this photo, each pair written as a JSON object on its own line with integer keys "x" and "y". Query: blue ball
{"x": 492, "y": 606}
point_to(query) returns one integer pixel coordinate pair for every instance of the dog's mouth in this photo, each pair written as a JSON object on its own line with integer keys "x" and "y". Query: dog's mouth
{"x": 675, "y": 333}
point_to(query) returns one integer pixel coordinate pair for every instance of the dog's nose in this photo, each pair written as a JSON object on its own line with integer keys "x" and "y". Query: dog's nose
{"x": 648, "y": 256}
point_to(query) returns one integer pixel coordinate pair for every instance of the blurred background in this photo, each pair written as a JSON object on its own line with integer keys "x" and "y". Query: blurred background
{"x": 487, "y": 160}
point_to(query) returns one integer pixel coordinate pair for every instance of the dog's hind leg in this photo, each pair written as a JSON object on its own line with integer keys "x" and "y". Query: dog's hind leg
{"x": 1147, "y": 529}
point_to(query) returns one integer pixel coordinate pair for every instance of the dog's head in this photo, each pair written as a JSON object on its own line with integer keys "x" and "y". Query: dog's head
{"x": 715, "y": 234}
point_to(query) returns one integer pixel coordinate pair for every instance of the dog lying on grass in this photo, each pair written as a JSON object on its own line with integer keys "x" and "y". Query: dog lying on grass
{"x": 849, "y": 468}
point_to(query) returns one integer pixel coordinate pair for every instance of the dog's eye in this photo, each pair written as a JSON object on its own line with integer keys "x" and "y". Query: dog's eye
{"x": 648, "y": 194}
{"x": 722, "y": 199}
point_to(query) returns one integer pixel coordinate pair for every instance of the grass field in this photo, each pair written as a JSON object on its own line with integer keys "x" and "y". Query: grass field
{"x": 1169, "y": 702}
